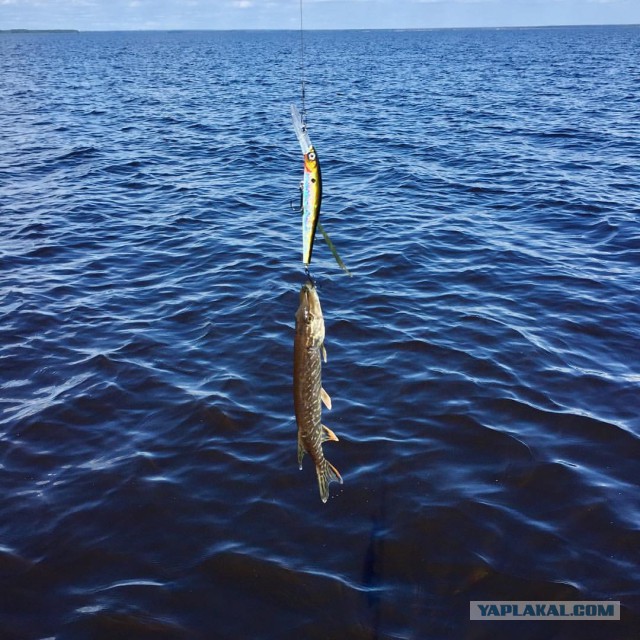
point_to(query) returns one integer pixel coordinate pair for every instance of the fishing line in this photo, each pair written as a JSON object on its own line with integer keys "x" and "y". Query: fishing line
{"x": 302, "y": 80}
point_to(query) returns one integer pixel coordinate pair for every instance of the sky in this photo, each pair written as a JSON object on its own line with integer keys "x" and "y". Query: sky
{"x": 106, "y": 15}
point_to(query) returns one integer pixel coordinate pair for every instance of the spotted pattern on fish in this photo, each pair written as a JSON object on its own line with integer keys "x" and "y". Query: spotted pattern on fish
{"x": 308, "y": 394}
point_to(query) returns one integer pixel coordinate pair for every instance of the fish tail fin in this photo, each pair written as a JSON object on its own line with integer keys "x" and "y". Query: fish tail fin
{"x": 327, "y": 473}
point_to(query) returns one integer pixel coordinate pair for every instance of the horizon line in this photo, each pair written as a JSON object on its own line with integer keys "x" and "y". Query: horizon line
{"x": 19, "y": 30}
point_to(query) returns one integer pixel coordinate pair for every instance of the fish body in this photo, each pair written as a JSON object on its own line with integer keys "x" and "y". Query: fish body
{"x": 311, "y": 186}
{"x": 308, "y": 394}
{"x": 311, "y": 201}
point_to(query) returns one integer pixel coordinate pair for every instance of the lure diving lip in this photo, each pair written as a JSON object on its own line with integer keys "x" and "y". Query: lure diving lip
{"x": 301, "y": 130}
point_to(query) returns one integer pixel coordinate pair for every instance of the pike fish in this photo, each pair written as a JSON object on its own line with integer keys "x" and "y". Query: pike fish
{"x": 308, "y": 394}
{"x": 311, "y": 186}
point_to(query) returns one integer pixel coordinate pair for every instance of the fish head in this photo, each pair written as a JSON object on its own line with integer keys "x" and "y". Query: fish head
{"x": 311, "y": 161}
{"x": 309, "y": 320}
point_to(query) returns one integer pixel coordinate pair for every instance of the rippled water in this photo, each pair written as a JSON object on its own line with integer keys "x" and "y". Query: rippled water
{"x": 484, "y": 359}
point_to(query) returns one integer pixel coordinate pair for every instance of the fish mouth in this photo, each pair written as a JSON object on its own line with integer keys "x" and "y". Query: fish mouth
{"x": 309, "y": 299}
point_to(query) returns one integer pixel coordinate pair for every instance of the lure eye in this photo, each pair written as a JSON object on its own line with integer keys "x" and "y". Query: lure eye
{"x": 312, "y": 156}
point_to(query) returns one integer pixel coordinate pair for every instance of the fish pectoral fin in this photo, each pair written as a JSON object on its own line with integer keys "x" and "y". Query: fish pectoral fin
{"x": 326, "y": 399}
{"x": 301, "y": 452}
{"x": 324, "y": 352}
{"x": 327, "y": 434}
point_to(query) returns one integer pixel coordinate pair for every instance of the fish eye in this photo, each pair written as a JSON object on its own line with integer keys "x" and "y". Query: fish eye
{"x": 312, "y": 156}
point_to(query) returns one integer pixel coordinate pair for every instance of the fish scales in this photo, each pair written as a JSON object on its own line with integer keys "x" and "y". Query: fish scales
{"x": 307, "y": 387}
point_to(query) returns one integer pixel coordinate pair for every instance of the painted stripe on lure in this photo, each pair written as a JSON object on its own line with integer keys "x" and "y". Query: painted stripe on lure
{"x": 311, "y": 186}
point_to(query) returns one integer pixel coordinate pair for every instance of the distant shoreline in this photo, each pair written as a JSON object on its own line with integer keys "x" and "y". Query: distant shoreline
{"x": 363, "y": 29}
{"x": 39, "y": 31}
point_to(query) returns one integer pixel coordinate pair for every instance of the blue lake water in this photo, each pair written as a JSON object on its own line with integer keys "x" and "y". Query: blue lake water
{"x": 483, "y": 360}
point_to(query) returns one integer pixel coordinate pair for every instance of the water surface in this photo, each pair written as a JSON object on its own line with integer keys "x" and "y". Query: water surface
{"x": 482, "y": 186}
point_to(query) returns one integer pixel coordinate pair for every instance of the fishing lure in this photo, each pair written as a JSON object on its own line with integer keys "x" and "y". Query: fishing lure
{"x": 311, "y": 187}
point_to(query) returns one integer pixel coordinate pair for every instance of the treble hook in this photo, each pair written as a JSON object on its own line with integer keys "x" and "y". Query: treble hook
{"x": 309, "y": 276}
